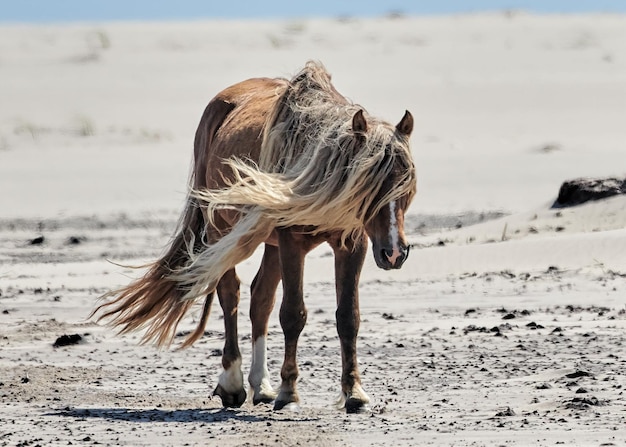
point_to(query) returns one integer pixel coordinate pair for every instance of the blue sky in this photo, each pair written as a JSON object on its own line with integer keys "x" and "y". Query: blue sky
{"x": 95, "y": 10}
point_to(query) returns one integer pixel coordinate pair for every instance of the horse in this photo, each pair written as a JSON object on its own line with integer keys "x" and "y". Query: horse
{"x": 290, "y": 164}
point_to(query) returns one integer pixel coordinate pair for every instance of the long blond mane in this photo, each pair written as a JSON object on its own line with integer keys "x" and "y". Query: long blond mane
{"x": 314, "y": 171}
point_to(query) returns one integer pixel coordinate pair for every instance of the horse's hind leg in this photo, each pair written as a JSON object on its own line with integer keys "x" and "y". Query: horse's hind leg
{"x": 230, "y": 384}
{"x": 261, "y": 305}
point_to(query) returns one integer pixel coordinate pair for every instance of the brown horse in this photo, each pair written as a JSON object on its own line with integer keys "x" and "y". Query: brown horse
{"x": 291, "y": 164}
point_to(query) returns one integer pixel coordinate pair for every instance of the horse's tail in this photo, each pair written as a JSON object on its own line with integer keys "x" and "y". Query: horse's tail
{"x": 156, "y": 301}
{"x": 160, "y": 299}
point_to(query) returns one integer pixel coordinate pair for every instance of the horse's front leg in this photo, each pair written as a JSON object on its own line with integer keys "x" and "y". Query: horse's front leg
{"x": 230, "y": 384}
{"x": 292, "y": 249}
{"x": 349, "y": 260}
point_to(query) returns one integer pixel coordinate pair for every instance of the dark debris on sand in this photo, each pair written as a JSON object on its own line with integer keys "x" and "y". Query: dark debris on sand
{"x": 68, "y": 340}
{"x": 581, "y": 190}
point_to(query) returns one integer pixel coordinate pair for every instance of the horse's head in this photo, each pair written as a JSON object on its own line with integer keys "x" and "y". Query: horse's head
{"x": 386, "y": 231}
{"x": 385, "y": 222}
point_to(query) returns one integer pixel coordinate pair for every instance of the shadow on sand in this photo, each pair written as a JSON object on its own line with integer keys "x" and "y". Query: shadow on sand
{"x": 191, "y": 415}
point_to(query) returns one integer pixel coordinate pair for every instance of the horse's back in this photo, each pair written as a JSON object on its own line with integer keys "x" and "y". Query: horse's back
{"x": 232, "y": 125}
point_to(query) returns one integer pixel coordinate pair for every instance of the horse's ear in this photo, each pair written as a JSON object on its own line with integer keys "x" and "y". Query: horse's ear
{"x": 405, "y": 126}
{"x": 359, "y": 125}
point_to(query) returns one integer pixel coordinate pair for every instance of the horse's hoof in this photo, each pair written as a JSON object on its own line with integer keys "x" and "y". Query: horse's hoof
{"x": 230, "y": 400}
{"x": 354, "y": 406}
{"x": 263, "y": 399}
{"x": 354, "y": 401}
{"x": 263, "y": 394}
{"x": 287, "y": 400}
{"x": 281, "y": 405}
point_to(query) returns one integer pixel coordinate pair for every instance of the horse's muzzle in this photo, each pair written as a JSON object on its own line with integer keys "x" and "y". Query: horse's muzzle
{"x": 388, "y": 258}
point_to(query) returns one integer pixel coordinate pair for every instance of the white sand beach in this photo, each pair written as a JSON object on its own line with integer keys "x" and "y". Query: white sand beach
{"x": 506, "y": 325}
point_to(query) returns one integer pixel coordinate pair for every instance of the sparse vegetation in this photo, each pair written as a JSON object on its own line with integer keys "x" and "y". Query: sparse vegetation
{"x": 4, "y": 143}
{"x": 152, "y": 135}
{"x": 97, "y": 42}
{"x": 84, "y": 126}
{"x": 295, "y": 28}
{"x": 81, "y": 125}
{"x": 28, "y": 128}
{"x": 276, "y": 41}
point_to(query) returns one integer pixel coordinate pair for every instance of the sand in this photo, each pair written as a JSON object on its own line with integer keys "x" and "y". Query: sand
{"x": 506, "y": 326}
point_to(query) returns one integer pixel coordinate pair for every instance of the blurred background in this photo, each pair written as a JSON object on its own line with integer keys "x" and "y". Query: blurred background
{"x": 100, "y": 100}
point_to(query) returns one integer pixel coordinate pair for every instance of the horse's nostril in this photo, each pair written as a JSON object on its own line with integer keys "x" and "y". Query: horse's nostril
{"x": 394, "y": 257}
{"x": 401, "y": 257}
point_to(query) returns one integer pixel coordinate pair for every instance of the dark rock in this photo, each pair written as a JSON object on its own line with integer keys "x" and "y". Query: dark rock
{"x": 67, "y": 340}
{"x": 75, "y": 240}
{"x": 204, "y": 334}
{"x": 577, "y": 374}
{"x": 38, "y": 240}
{"x": 581, "y": 190}
{"x": 583, "y": 403}
{"x": 474, "y": 328}
{"x": 506, "y": 412}
{"x": 592, "y": 400}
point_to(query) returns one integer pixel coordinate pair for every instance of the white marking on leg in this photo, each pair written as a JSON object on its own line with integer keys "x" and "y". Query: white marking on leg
{"x": 394, "y": 234}
{"x": 357, "y": 393}
{"x": 259, "y": 377}
{"x": 231, "y": 379}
